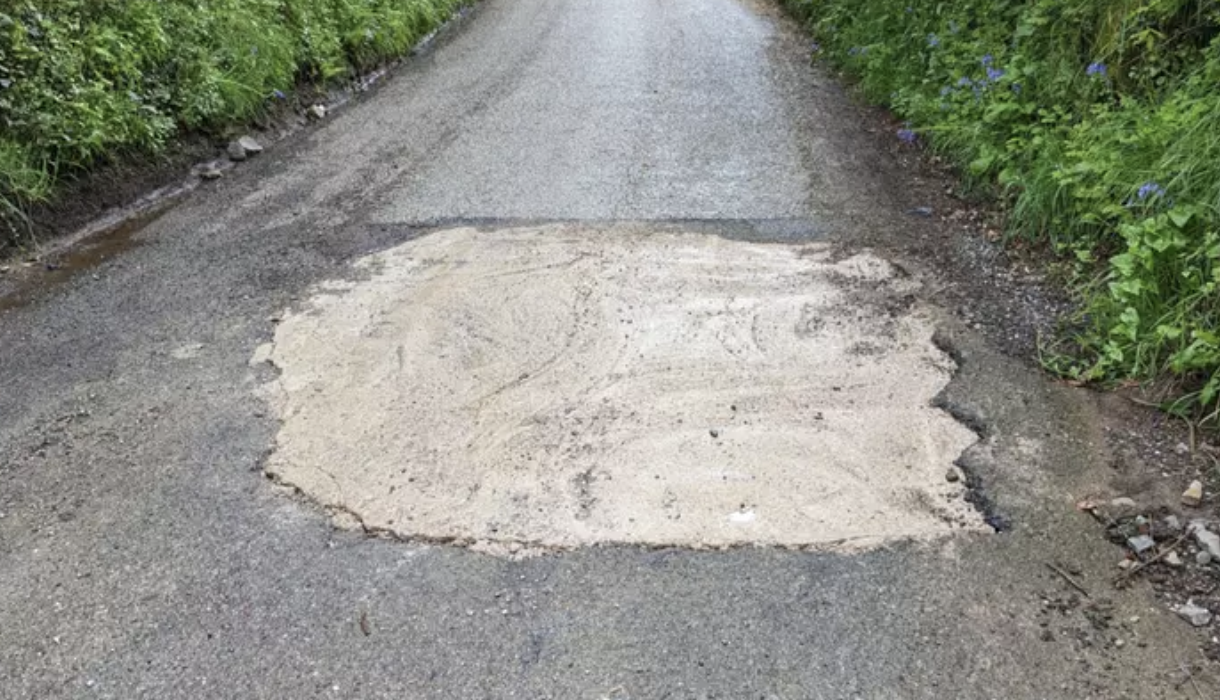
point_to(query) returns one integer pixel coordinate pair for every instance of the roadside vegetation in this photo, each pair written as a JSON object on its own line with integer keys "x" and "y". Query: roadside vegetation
{"x": 1096, "y": 125}
{"x": 87, "y": 81}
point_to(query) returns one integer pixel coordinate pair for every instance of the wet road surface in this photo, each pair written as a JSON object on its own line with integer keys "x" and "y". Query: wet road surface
{"x": 143, "y": 552}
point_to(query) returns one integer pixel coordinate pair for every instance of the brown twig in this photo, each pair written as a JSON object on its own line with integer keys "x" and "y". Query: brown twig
{"x": 1069, "y": 579}
{"x": 1145, "y": 564}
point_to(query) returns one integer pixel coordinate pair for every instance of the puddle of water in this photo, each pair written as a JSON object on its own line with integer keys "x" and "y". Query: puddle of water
{"x": 34, "y": 282}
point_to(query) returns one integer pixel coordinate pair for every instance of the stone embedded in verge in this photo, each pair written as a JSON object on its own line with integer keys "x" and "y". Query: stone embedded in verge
{"x": 236, "y": 152}
{"x": 251, "y": 146}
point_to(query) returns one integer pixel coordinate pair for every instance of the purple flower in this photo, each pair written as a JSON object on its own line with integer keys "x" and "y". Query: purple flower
{"x": 279, "y": 94}
{"x": 906, "y": 136}
{"x": 933, "y": 40}
{"x": 1096, "y": 68}
{"x": 994, "y": 74}
{"x": 964, "y": 82}
{"x": 946, "y": 91}
{"x": 1150, "y": 189}
{"x": 986, "y": 60}
{"x": 815, "y": 47}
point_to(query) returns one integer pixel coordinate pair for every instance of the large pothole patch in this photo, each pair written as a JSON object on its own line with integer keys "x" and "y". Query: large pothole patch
{"x": 561, "y": 387}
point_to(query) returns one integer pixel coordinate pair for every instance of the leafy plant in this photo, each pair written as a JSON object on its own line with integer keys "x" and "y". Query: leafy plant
{"x": 1097, "y": 123}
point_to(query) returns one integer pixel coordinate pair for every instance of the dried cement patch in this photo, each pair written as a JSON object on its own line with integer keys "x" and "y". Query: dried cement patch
{"x": 560, "y": 387}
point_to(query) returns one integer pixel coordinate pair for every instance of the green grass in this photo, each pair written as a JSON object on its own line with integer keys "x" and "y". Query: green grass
{"x": 87, "y": 81}
{"x": 1096, "y": 125}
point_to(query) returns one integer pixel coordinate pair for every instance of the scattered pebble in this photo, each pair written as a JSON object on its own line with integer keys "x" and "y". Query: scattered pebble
{"x": 1193, "y": 496}
{"x": 1172, "y": 523}
{"x": 211, "y": 174}
{"x": 714, "y": 433}
{"x": 1207, "y": 539}
{"x": 1173, "y": 559}
{"x": 1203, "y": 558}
{"x": 1126, "y": 564}
{"x": 1123, "y": 502}
{"x": 1140, "y": 543}
{"x": 317, "y": 112}
{"x": 952, "y": 476}
{"x": 1195, "y": 615}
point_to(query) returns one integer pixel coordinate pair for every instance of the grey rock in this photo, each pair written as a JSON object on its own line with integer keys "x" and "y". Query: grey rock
{"x": 1123, "y": 502}
{"x": 952, "y": 476}
{"x": 1172, "y": 523}
{"x": 1207, "y": 539}
{"x": 1195, "y": 615}
{"x": 316, "y": 112}
{"x": 1173, "y": 559}
{"x": 236, "y": 152}
{"x": 1140, "y": 543}
{"x": 251, "y": 146}
{"x": 1203, "y": 558}
{"x": 211, "y": 173}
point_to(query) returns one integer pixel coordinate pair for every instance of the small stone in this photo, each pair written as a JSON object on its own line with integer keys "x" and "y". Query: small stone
{"x": 252, "y": 147}
{"x": 714, "y": 433}
{"x": 1140, "y": 543}
{"x": 1126, "y": 564}
{"x": 1193, "y": 496}
{"x": 1173, "y": 559}
{"x": 921, "y": 211}
{"x": 1203, "y": 558}
{"x": 1119, "y": 644}
{"x": 1182, "y": 448}
{"x": 1123, "y": 502}
{"x": 1207, "y": 539}
{"x": 1195, "y": 615}
{"x": 236, "y": 152}
{"x": 952, "y": 476}
{"x": 211, "y": 174}
{"x": 1172, "y": 523}
{"x": 317, "y": 112}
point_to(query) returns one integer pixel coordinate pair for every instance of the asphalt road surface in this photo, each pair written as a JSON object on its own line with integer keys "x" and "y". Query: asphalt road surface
{"x": 304, "y": 438}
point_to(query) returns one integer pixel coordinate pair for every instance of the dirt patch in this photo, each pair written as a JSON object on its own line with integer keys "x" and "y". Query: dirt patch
{"x": 561, "y": 387}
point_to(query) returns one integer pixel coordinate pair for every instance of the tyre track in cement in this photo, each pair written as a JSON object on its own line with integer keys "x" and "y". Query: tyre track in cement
{"x": 143, "y": 553}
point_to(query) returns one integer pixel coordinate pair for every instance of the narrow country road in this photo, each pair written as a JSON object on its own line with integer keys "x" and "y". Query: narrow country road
{"x": 581, "y": 359}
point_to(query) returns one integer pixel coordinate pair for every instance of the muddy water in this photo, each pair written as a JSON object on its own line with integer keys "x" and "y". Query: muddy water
{"x": 30, "y": 283}
{"x": 558, "y": 387}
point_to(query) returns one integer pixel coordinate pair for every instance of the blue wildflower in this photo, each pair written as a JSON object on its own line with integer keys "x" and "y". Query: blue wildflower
{"x": 994, "y": 74}
{"x": 964, "y": 82}
{"x": 946, "y": 91}
{"x": 933, "y": 40}
{"x": 815, "y": 47}
{"x": 1150, "y": 189}
{"x": 1096, "y": 68}
{"x": 279, "y": 94}
{"x": 906, "y": 136}
{"x": 986, "y": 60}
